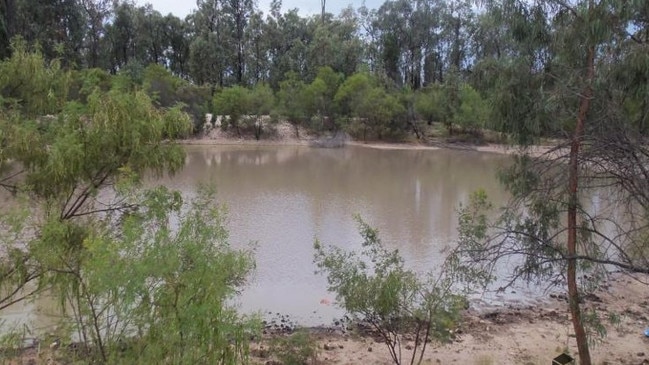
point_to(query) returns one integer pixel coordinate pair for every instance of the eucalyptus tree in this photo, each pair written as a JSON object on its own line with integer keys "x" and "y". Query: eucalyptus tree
{"x": 258, "y": 44}
{"x": 122, "y": 34}
{"x": 290, "y": 37}
{"x": 7, "y": 19}
{"x": 411, "y": 41}
{"x": 208, "y": 52}
{"x": 238, "y": 13}
{"x": 178, "y": 34}
{"x": 398, "y": 44}
{"x": 457, "y": 30}
{"x": 224, "y": 23}
{"x": 150, "y": 35}
{"x": 205, "y": 66}
{"x": 57, "y": 25}
{"x": 96, "y": 13}
{"x": 572, "y": 56}
{"x": 335, "y": 43}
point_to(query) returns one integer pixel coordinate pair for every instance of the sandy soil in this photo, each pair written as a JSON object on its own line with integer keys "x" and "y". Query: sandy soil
{"x": 520, "y": 335}
{"x": 284, "y": 134}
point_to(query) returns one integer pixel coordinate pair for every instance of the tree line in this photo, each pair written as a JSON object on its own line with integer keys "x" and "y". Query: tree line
{"x": 432, "y": 61}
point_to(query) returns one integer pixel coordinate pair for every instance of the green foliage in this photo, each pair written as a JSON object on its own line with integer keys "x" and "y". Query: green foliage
{"x": 375, "y": 287}
{"x": 430, "y": 104}
{"x": 161, "y": 85}
{"x": 369, "y": 107}
{"x": 86, "y": 81}
{"x": 145, "y": 278}
{"x": 95, "y": 144}
{"x": 320, "y": 95}
{"x": 261, "y": 104}
{"x": 473, "y": 110}
{"x": 168, "y": 91}
{"x": 351, "y": 93}
{"x": 299, "y": 348}
{"x": 262, "y": 100}
{"x": 153, "y": 291}
{"x": 30, "y": 84}
{"x": 234, "y": 102}
{"x": 291, "y": 98}
{"x": 60, "y": 163}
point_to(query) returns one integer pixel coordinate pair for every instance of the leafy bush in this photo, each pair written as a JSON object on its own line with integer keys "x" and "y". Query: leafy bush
{"x": 376, "y": 288}
{"x": 157, "y": 292}
{"x": 234, "y": 102}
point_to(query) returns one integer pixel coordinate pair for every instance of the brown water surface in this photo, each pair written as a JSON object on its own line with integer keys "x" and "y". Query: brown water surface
{"x": 283, "y": 197}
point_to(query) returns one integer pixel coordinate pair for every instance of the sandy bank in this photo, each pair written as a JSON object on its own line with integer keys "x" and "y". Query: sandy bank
{"x": 527, "y": 335}
{"x": 285, "y": 135}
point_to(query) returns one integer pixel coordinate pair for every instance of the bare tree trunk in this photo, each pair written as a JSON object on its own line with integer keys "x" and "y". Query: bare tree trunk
{"x": 573, "y": 294}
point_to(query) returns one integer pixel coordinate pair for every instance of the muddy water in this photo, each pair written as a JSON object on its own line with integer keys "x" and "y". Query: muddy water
{"x": 284, "y": 197}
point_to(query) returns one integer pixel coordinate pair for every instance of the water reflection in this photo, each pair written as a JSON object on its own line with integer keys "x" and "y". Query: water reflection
{"x": 284, "y": 197}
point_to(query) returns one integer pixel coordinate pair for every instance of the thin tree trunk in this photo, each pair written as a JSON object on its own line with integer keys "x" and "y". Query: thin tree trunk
{"x": 573, "y": 294}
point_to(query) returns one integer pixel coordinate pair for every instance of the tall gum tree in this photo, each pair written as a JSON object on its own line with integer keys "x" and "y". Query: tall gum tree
{"x": 570, "y": 52}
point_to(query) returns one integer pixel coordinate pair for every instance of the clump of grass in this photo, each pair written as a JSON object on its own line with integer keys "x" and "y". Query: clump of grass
{"x": 297, "y": 349}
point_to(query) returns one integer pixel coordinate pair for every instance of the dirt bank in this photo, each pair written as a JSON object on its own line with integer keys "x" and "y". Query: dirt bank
{"x": 527, "y": 335}
{"x": 285, "y": 134}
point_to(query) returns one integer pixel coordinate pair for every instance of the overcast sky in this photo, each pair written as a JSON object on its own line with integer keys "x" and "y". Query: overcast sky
{"x": 181, "y": 8}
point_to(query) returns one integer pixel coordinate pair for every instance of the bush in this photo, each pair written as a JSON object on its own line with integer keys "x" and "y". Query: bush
{"x": 376, "y": 288}
{"x": 296, "y": 349}
{"x": 154, "y": 292}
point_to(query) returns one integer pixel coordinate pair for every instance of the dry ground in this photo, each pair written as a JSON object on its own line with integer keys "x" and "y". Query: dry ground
{"x": 528, "y": 335}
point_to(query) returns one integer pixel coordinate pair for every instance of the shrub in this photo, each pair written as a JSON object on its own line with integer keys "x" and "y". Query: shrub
{"x": 297, "y": 349}
{"x": 376, "y": 288}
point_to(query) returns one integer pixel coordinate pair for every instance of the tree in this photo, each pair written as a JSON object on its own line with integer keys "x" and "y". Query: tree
{"x": 56, "y": 25}
{"x": 261, "y": 104}
{"x": 67, "y": 153}
{"x": 375, "y": 288}
{"x": 369, "y": 108}
{"x": 146, "y": 292}
{"x": 177, "y": 33}
{"x": 204, "y": 66}
{"x": 549, "y": 228}
{"x": 320, "y": 97}
{"x": 430, "y": 103}
{"x": 289, "y": 37}
{"x": 82, "y": 229}
{"x": 238, "y": 13}
{"x": 472, "y": 112}
{"x": 96, "y": 13}
{"x": 291, "y": 100}
{"x": 233, "y": 103}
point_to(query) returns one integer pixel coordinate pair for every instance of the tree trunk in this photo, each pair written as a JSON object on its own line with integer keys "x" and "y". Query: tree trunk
{"x": 573, "y": 294}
